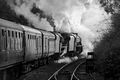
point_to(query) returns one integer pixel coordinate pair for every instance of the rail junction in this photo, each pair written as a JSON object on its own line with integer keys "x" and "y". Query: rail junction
{"x": 75, "y": 70}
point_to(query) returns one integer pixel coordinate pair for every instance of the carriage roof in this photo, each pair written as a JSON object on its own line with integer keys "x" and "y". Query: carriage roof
{"x": 9, "y": 24}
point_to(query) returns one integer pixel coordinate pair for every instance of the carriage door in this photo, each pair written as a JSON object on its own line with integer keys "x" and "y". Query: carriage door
{"x": 40, "y": 46}
{"x": 46, "y": 46}
{"x": 37, "y": 46}
{"x": 36, "y": 40}
{"x": 3, "y": 44}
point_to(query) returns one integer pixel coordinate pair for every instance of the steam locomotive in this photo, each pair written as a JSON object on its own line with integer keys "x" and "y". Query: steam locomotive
{"x": 23, "y": 48}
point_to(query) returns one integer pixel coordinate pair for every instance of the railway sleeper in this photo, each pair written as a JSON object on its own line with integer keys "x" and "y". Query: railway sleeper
{"x": 66, "y": 73}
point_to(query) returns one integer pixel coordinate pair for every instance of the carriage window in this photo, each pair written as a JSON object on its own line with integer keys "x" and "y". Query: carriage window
{"x": 28, "y": 36}
{"x": 12, "y": 34}
{"x": 39, "y": 41}
{"x": 19, "y": 34}
{"x": 32, "y": 37}
{"x": 3, "y": 32}
{"x": 16, "y": 34}
{"x": 8, "y": 33}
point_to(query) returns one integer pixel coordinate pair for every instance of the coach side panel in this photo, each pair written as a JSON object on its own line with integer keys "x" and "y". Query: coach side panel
{"x": 11, "y": 50}
{"x": 30, "y": 47}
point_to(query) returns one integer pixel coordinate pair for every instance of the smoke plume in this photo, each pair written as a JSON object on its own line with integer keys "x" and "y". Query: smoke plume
{"x": 24, "y": 7}
{"x": 78, "y": 16}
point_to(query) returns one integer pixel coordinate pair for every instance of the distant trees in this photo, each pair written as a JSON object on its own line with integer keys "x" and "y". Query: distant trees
{"x": 111, "y": 6}
{"x": 107, "y": 51}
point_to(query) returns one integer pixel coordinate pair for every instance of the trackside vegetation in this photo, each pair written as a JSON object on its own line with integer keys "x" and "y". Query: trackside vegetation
{"x": 107, "y": 51}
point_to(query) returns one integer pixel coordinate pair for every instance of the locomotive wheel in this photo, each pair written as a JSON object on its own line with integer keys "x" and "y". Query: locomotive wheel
{"x": 24, "y": 68}
{"x": 3, "y": 74}
{"x": 40, "y": 62}
{"x": 36, "y": 64}
{"x": 44, "y": 61}
{"x": 13, "y": 73}
{"x": 29, "y": 67}
{"x": 47, "y": 60}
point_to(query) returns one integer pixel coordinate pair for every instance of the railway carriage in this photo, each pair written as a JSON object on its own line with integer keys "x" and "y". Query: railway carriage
{"x": 32, "y": 46}
{"x": 11, "y": 46}
{"x": 32, "y": 43}
{"x": 23, "y": 48}
{"x": 48, "y": 45}
{"x": 11, "y": 49}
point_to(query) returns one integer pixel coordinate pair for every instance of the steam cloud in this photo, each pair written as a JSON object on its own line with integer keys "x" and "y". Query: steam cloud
{"x": 79, "y": 16}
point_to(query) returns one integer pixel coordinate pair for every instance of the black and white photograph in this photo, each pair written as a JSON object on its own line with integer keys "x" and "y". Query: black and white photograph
{"x": 59, "y": 39}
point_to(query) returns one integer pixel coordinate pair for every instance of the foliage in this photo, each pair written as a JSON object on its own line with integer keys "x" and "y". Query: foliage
{"x": 111, "y": 6}
{"x": 107, "y": 51}
{"x": 107, "y": 56}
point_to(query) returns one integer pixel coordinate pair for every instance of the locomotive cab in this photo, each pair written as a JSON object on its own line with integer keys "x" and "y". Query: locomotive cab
{"x": 79, "y": 47}
{"x": 65, "y": 44}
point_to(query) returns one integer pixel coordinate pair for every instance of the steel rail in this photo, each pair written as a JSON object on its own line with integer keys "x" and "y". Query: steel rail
{"x": 92, "y": 76}
{"x": 53, "y": 77}
{"x": 74, "y": 77}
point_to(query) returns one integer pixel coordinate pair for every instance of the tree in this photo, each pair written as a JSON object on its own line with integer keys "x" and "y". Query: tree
{"x": 107, "y": 51}
{"x": 111, "y": 6}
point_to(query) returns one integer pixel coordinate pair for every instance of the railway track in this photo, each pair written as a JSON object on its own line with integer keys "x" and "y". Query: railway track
{"x": 66, "y": 71}
{"x": 81, "y": 74}
{"x": 82, "y": 70}
{"x": 42, "y": 63}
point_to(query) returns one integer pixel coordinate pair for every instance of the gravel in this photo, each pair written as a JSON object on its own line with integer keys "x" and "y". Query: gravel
{"x": 42, "y": 73}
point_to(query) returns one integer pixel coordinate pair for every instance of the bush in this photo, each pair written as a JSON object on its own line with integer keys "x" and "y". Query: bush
{"x": 107, "y": 51}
